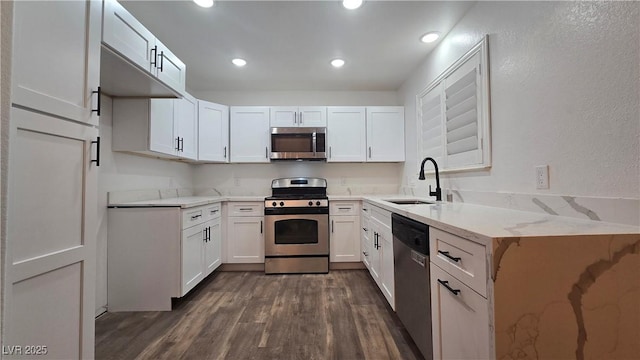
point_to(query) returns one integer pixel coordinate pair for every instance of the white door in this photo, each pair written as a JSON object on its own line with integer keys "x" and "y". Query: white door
{"x": 186, "y": 124}
{"x": 250, "y": 138}
{"x": 245, "y": 241}
{"x": 385, "y": 133}
{"x": 162, "y": 137}
{"x": 127, "y": 36}
{"x": 346, "y": 134}
{"x": 460, "y": 319}
{"x": 376, "y": 254}
{"x": 193, "y": 240}
{"x": 213, "y": 132}
{"x": 56, "y": 57}
{"x": 312, "y": 116}
{"x": 284, "y": 116}
{"x": 344, "y": 239}
{"x": 51, "y": 236}
{"x": 385, "y": 240}
{"x": 169, "y": 69}
{"x": 212, "y": 246}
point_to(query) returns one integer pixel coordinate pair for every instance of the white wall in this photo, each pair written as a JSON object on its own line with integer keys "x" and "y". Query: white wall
{"x": 6, "y": 9}
{"x": 564, "y": 92}
{"x": 119, "y": 172}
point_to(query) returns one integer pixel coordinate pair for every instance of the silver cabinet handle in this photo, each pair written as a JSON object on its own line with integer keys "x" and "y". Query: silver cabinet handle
{"x": 266, "y": 152}
{"x": 369, "y": 152}
{"x": 329, "y": 151}
{"x": 331, "y": 226}
{"x": 301, "y": 117}
{"x": 195, "y": 217}
{"x": 260, "y": 226}
{"x": 365, "y": 229}
{"x": 214, "y": 211}
{"x": 245, "y": 209}
{"x": 344, "y": 208}
{"x": 225, "y": 152}
{"x": 295, "y": 117}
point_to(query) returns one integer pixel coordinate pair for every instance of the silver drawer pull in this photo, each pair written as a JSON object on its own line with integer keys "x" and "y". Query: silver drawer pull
{"x": 195, "y": 216}
{"x": 344, "y": 208}
{"x": 245, "y": 209}
{"x": 214, "y": 211}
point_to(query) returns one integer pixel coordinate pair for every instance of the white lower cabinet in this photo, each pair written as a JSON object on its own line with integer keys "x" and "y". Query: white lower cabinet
{"x": 245, "y": 233}
{"x": 158, "y": 253}
{"x": 344, "y": 232}
{"x": 460, "y": 315}
{"x": 381, "y": 250}
{"x": 365, "y": 242}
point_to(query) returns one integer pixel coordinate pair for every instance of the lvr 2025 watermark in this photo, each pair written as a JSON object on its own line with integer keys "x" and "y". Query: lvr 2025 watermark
{"x": 29, "y": 350}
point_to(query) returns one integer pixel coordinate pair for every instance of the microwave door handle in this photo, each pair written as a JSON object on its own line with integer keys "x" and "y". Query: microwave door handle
{"x": 314, "y": 140}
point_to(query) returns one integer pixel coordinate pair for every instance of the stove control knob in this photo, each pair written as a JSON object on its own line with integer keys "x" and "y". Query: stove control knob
{"x": 274, "y": 203}
{"x": 281, "y": 203}
{"x": 310, "y": 203}
{"x": 318, "y": 203}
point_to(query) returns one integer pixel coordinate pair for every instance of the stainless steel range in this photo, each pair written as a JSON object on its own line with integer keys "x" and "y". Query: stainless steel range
{"x": 297, "y": 226}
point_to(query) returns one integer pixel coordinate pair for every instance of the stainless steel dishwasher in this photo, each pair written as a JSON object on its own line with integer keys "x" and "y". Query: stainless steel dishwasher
{"x": 412, "y": 284}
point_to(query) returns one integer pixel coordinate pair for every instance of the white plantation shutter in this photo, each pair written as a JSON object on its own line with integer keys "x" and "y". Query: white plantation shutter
{"x": 462, "y": 113}
{"x": 453, "y": 114}
{"x": 431, "y": 132}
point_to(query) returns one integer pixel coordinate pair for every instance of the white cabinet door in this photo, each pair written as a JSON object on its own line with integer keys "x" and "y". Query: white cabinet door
{"x": 212, "y": 246}
{"x": 344, "y": 239}
{"x": 245, "y": 239}
{"x": 49, "y": 286}
{"x": 192, "y": 257}
{"x": 284, "y": 116}
{"x": 305, "y": 116}
{"x": 250, "y": 138}
{"x": 162, "y": 137}
{"x": 385, "y": 133}
{"x": 186, "y": 125}
{"x": 56, "y": 57}
{"x": 365, "y": 242}
{"x": 213, "y": 132}
{"x": 376, "y": 253}
{"x": 312, "y": 116}
{"x": 460, "y": 319}
{"x": 127, "y": 36}
{"x": 385, "y": 242}
{"x": 346, "y": 134}
{"x": 168, "y": 68}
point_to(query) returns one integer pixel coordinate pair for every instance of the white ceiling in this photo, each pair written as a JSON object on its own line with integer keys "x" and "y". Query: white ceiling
{"x": 288, "y": 44}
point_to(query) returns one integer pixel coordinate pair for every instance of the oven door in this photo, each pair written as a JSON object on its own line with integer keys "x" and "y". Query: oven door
{"x": 296, "y": 234}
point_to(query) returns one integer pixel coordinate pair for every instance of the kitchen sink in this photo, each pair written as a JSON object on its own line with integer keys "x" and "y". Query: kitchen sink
{"x": 409, "y": 202}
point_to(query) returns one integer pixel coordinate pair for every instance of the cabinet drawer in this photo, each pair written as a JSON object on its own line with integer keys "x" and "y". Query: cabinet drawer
{"x": 246, "y": 209}
{"x": 366, "y": 209}
{"x": 462, "y": 258}
{"x": 212, "y": 211}
{"x": 381, "y": 215}
{"x": 343, "y": 208}
{"x": 193, "y": 216}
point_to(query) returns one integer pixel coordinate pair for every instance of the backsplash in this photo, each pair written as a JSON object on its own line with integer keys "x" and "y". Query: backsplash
{"x": 616, "y": 210}
{"x": 255, "y": 179}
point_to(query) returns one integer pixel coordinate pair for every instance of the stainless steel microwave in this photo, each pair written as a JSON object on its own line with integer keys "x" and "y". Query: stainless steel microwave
{"x": 298, "y": 143}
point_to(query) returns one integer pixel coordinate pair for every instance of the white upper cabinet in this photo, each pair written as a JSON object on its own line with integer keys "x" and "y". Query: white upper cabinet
{"x": 250, "y": 138}
{"x": 303, "y": 116}
{"x": 185, "y": 122}
{"x": 156, "y": 127}
{"x": 56, "y": 69}
{"x": 213, "y": 132}
{"x": 126, "y": 35}
{"x": 127, "y": 42}
{"x": 168, "y": 68}
{"x": 385, "y": 134}
{"x": 346, "y": 134}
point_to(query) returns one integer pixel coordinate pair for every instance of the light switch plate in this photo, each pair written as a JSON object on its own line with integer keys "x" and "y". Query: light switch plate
{"x": 542, "y": 177}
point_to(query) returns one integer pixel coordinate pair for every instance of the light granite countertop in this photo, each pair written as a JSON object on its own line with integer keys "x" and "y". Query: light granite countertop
{"x": 475, "y": 222}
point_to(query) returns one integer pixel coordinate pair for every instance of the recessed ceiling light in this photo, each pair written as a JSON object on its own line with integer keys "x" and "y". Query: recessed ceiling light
{"x": 351, "y": 4}
{"x": 204, "y": 3}
{"x": 430, "y": 37}
{"x": 239, "y": 62}
{"x": 337, "y": 63}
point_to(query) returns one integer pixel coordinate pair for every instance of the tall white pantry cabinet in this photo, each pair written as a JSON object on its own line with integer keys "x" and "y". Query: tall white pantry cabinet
{"x": 53, "y": 158}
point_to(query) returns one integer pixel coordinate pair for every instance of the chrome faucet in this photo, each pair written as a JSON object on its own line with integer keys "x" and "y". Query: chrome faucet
{"x": 438, "y": 192}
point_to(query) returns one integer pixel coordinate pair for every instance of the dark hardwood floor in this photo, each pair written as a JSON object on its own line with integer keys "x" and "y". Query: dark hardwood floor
{"x": 249, "y": 315}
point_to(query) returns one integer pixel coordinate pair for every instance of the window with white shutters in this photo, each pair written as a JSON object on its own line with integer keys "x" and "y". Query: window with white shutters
{"x": 453, "y": 114}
